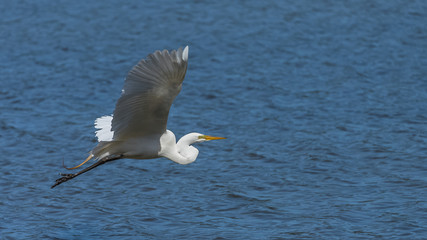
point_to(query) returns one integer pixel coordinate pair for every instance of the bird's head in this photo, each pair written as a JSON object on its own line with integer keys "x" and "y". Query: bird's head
{"x": 192, "y": 138}
{"x": 203, "y": 138}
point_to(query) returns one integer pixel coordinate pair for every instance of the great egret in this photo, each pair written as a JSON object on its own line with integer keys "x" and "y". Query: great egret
{"x": 137, "y": 129}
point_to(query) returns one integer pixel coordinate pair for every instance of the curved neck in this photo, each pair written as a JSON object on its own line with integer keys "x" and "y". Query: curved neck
{"x": 181, "y": 152}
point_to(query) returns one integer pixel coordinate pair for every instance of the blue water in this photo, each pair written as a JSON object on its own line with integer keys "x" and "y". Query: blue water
{"x": 324, "y": 104}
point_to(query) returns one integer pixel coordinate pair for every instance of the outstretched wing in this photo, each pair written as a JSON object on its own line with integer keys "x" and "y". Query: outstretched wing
{"x": 149, "y": 90}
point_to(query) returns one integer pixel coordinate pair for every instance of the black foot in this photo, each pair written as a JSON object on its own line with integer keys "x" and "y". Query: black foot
{"x": 66, "y": 177}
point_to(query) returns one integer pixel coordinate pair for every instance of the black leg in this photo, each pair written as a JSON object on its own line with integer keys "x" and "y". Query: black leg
{"x": 67, "y": 176}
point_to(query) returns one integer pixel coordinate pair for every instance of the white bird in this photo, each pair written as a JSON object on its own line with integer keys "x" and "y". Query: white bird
{"x": 137, "y": 129}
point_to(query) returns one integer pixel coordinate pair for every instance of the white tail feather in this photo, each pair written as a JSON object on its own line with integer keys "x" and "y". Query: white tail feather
{"x": 185, "y": 54}
{"x": 104, "y": 125}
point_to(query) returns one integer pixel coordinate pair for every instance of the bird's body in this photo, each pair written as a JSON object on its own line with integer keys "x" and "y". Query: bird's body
{"x": 137, "y": 128}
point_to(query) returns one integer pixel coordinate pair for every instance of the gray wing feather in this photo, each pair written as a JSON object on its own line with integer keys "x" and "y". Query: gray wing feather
{"x": 149, "y": 90}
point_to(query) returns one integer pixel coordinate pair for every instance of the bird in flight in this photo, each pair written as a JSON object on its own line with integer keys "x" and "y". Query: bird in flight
{"x": 137, "y": 129}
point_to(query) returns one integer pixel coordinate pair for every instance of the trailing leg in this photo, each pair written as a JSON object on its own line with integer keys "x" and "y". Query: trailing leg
{"x": 68, "y": 176}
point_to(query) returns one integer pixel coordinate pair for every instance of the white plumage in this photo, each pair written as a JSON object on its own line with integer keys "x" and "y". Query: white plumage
{"x": 103, "y": 124}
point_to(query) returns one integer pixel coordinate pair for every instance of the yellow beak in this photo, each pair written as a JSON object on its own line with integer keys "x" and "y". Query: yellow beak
{"x": 208, "y": 138}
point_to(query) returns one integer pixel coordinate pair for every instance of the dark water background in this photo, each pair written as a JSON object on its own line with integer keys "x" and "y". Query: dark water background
{"x": 324, "y": 104}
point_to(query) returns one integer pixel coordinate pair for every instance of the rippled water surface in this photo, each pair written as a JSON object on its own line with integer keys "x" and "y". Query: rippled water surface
{"x": 324, "y": 104}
